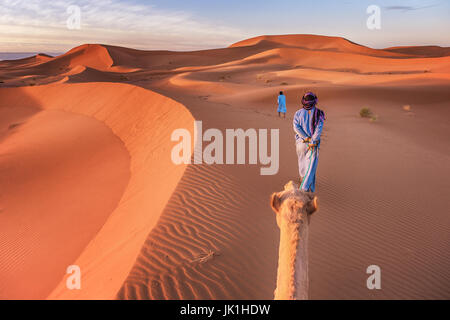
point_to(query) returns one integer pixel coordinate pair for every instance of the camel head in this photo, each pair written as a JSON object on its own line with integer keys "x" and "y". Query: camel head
{"x": 293, "y": 210}
{"x": 293, "y": 205}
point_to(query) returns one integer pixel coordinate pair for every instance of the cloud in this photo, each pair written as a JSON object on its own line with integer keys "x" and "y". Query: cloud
{"x": 406, "y": 8}
{"x": 410, "y": 8}
{"x": 42, "y": 25}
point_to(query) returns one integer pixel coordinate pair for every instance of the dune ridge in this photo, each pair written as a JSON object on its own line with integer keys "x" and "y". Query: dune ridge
{"x": 141, "y": 119}
{"x": 314, "y": 42}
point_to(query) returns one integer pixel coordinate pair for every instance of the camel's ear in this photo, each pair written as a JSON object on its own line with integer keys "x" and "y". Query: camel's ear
{"x": 312, "y": 206}
{"x": 275, "y": 202}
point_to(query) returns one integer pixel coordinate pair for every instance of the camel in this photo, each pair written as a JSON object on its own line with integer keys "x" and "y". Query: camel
{"x": 293, "y": 210}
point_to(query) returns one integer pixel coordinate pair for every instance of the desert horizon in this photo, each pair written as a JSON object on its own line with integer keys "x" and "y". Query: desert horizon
{"x": 86, "y": 140}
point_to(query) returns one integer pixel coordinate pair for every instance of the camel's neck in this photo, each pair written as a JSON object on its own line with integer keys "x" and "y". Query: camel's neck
{"x": 292, "y": 279}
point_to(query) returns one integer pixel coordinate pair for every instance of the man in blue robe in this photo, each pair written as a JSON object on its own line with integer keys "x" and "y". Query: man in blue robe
{"x": 282, "y": 104}
{"x": 308, "y": 125}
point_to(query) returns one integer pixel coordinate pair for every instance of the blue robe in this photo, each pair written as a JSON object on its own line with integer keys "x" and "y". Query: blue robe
{"x": 307, "y": 159}
{"x": 282, "y": 103}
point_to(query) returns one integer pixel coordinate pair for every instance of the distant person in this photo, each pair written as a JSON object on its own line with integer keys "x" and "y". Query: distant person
{"x": 282, "y": 105}
{"x": 308, "y": 125}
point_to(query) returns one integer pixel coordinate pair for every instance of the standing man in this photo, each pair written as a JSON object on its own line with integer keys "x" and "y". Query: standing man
{"x": 282, "y": 105}
{"x": 308, "y": 125}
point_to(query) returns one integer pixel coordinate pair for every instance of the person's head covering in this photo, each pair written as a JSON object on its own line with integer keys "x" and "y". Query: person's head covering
{"x": 309, "y": 100}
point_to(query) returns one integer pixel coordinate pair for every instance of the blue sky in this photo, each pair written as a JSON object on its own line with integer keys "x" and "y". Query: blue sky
{"x": 37, "y": 25}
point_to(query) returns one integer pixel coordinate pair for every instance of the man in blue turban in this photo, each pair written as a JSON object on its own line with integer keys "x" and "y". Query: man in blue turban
{"x": 308, "y": 125}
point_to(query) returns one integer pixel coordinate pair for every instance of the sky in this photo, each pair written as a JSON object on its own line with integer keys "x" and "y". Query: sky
{"x": 59, "y": 25}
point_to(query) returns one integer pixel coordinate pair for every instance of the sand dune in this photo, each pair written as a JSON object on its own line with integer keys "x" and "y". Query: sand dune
{"x": 422, "y": 51}
{"x": 94, "y": 56}
{"x": 85, "y": 137}
{"x": 51, "y": 179}
{"x": 119, "y": 236}
{"x": 316, "y": 43}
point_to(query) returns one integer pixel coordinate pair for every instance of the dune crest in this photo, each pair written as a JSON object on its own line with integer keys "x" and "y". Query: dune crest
{"x": 314, "y": 42}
